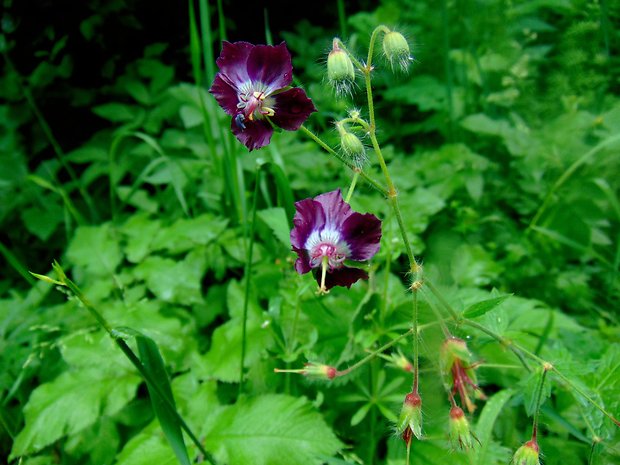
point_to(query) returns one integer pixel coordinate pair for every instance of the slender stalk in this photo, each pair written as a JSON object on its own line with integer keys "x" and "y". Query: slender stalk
{"x": 343, "y": 160}
{"x": 375, "y": 353}
{"x": 356, "y": 175}
{"x": 539, "y": 401}
{"x": 416, "y": 345}
{"x": 248, "y": 273}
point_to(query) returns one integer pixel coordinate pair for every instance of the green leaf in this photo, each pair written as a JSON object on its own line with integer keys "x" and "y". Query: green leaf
{"x": 70, "y": 403}
{"x": 276, "y": 219}
{"x": 154, "y": 365}
{"x": 147, "y": 448}
{"x": 270, "y": 430}
{"x": 116, "y": 112}
{"x": 488, "y": 416}
{"x": 95, "y": 249}
{"x": 482, "y": 307}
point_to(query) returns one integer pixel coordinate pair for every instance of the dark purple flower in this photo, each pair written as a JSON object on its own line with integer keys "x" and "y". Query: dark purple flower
{"x": 253, "y": 86}
{"x": 326, "y": 233}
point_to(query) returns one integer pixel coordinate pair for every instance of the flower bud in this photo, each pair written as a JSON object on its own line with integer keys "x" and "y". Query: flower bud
{"x": 396, "y": 50}
{"x": 410, "y": 419}
{"x": 402, "y": 362}
{"x": 320, "y": 371}
{"x": 340, "y": 70}
{"x": 460, "y": 433}
{"x": 527, "y": 454}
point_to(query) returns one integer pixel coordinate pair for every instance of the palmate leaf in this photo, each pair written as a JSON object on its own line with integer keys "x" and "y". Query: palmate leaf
{"x": 269, "y": 430}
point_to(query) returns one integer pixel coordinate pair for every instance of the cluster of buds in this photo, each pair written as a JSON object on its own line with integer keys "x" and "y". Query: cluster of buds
{"x": 410, "y": 419}
{"x": 456, "y": 363}
{"x": 460, "y": 434}
{"x": 341, "y": 68}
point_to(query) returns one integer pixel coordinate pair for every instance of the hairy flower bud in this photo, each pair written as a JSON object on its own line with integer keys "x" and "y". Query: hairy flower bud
{"x": 410, "y": 418}
{"x": 320, "y": 371}
{"x": 353, "y": 148}
{"x": 527, "y": 454}
{"x": 340, "y": 70}
{"x": 459, "y": 432}
{"x": 396, "y": 50}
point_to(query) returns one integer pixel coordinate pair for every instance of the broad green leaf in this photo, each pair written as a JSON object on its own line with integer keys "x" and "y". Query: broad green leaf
{"x": 96, "y": 249}
{"x": 154, "y": 365}
{"x": 269, "y": 430}
{"x": 482, "y": 307}
{"x": 174, "y": 281}
{"x": 488, "y": 416}
{"x": 147, "y": 448}
{"x": 70, "y": 403}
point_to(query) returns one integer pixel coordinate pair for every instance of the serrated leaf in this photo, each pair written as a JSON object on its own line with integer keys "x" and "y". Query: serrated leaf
{"x": 147, "y": 448}
{"x": 276, "y": 219}
{"x": 270, "y": 430}
{"x": 484, "y": 306}
{"x": 70, "y": 403}
{"x": 95, "y": 249}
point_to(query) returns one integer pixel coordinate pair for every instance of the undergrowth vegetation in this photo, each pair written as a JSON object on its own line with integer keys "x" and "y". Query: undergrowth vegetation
{"x": 172, "y": 242}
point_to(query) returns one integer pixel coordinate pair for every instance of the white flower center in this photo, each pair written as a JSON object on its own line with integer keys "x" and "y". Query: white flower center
{"x": 327, "y": 243}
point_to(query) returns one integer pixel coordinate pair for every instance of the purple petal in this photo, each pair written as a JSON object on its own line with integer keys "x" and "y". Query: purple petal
{"x": 362, "y": 233}
{"x": 292, "y": 108}
{"x": 256, "y": 134}
{"x": 335, "y": 208}
{"x": 342, "y": 277}
{"x": 309, "y": 217}
{"x": 225, "y": 95}
{"x": 232, "y": 62}
{"x": 271, "y": 66}
{"x": 302, "y": 264}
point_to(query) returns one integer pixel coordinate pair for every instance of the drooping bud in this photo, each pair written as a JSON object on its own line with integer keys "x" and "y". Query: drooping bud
{"x": 410, "y": 419}
{"x": 340, "y": 70}
{"x": 352, "y": 146}
{"x": 401, "y": 361}
{"x": 456, "y": 362}
{"x": 527, "y": 454}
{"x": 396, "y": 50}
{"x": 459, "y": 432}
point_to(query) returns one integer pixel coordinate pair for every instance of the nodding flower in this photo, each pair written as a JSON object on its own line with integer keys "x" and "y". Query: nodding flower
{"x": 456, "y": 364}
{"x": 253, "y": 86}
{"x": 327, "y": 233}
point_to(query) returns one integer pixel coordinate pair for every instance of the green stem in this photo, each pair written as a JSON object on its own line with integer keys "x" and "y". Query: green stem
{"x": 539, "y": 401}
{"x": 356, "y": 175}
{"x": 342, "y": 159}
{"x": 248, "y": 274}
{"x": 373, "y": 354}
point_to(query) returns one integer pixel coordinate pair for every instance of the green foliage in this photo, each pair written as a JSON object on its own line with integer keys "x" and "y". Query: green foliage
{"x": 271, "y": 429}
{"x": 503, "y": 145}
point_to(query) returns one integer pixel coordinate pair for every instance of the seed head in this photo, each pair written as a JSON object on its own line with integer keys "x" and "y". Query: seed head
{"x": 460, "y": 434}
